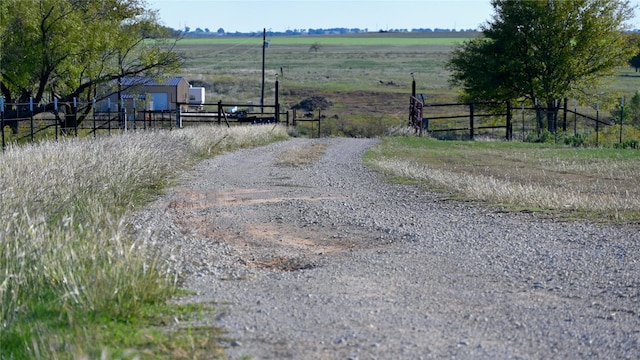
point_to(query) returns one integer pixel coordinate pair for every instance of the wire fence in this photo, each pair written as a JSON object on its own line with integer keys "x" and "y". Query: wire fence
{"x": 28, "y": 122}
{"x": 577, "y": 125}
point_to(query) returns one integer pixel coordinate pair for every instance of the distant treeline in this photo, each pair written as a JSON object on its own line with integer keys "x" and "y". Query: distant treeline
{"x": 332, "y": 31}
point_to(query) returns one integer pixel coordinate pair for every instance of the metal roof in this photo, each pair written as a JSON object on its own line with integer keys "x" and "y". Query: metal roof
{"x": 147, "y": 81}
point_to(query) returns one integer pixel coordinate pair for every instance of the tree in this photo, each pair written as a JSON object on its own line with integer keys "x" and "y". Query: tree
{"x": 634, "y": 42}
{"x": 634, "y": 110}
{"x": 67, "y": 49}
{"x": 545, "y": 50}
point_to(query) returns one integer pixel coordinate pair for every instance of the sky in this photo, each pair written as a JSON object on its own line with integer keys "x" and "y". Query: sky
{"x": 282, "y": 15}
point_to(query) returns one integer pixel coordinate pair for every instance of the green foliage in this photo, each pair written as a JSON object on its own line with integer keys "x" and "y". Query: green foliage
{"x": 577, "y": 140}
{"x": 634, "y": 110}
{"x": 610, "y": 137}
{"x": 546, "y": 137}
{"x": 65, "y": 49}
{"x": 548, "y": 50}
{"x": 628, "y": 144}
{"x": 634, "y": 41}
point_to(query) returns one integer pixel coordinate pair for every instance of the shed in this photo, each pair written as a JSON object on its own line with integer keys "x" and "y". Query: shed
{"x": 158, "y": 96}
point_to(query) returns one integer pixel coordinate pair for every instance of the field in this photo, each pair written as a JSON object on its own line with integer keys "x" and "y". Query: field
{"x": 366, "y": 77}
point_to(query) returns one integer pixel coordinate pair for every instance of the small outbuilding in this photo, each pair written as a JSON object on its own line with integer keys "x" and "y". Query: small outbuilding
{"x": 146, "y": 94}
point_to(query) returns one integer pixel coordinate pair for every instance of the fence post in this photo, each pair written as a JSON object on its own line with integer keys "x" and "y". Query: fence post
{"x": 57, "y": 117}
{"x": 413, "y": 86}
{"x": 552, "y": 115}
{"x": 564, "y": 118}
{"x": 538, "y": 117}
{"x": 522, "y": 122}
{"x": 556, "y": 108}
{"x": 109, "y": 115}
{"x": 277, "y": 107}
{"x": 509, "y": 134}
{"x": 2, "y": 121}
{"x": 94, "y": 118}
{"x": 575, "y": 117}
{"x": 145, "y": 114}
{"x": 597, "y": 123}
{"x": 31, "y": 117}
{"x": 621, "y": 118}
{"x": 178, "y": 117}
{"x": 122, "y": 114}
{"x": 319, "y": 117}
{"x": 75, "y": 116}
{"x": 219, "y": 112}
{"x": 471, "y": 131}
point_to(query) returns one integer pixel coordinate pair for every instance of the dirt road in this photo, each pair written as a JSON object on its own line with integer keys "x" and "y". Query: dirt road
{"x": 329, "y": 261}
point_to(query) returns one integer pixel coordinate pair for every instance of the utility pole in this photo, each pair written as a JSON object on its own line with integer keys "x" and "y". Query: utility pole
{"x": 264, "y": 46}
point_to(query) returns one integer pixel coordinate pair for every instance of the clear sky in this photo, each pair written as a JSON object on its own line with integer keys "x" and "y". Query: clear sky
{"x": 282, "y": 15}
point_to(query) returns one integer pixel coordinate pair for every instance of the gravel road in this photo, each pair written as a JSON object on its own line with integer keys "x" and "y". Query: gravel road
{"x": 329, "y": 261}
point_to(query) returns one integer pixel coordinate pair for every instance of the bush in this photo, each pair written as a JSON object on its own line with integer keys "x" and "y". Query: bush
{"x": 577, "y": 140}
{"x": 628, "y": 144}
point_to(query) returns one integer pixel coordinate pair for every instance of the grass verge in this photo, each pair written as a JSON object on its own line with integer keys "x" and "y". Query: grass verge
{"x": 593, "y": 184}
{"x": 301, "y": 155}
{"x": 75, "y": 280}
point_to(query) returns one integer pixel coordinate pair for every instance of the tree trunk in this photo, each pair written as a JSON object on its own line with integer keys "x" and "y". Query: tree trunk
{"x": 551, "y": 111}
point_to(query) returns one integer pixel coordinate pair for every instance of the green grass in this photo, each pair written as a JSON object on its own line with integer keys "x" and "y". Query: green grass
{"x": 369, "y": 39}
{"x": 578, "y": 183}
{"x": 76, "y": 281}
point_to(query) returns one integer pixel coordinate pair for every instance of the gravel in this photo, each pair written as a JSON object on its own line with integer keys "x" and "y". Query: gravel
{"x": 329, "y": 261}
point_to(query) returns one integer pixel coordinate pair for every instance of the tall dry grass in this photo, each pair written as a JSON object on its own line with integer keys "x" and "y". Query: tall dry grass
{"x": 568, "y": 181}
{"x": 489, "y": 188}
{"x": 66, "y": 249}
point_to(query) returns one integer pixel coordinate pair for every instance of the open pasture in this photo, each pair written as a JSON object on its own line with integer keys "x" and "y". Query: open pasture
{"x": 375, "y": 39}
{"x": 366, "y": 77}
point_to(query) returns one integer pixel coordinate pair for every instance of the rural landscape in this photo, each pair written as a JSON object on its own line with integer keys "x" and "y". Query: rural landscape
{"x": 82, "y": 276}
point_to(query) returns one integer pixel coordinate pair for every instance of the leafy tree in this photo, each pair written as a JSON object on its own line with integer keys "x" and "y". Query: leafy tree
{"x": 544, "y": 50}
{"x": 66, "y": 49}
{"x": 634, "y": 42}
{"x": 632, "y": 111}
{"x": 635, "y": 61}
